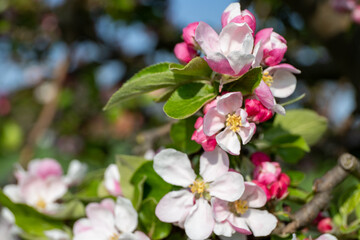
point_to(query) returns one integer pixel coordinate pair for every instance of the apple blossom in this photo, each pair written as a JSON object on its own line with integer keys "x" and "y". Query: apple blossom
{"x": 208, "y": 143}
{"x": 267, "y": 172}
{"x": 280, "y": 79}
{"x": 279, "y": 189}
{"x": 109, "y": 221}
{"x": 229, "y": 116}
{"x": 184, "y": 52}
{"x": 273, "y": 46}
{"x": 325, "y": 225}
{"x": 233, "y": 13}
{"x": 189, "y": 207}
{"x": 112, "y": 180}
{"x": 356, "y": 14}
{"x": 256, "y": 111}
{"x": 264, "y": 95}
{"x": 232, "y": 52}
{"x": 241, "y": 215}
{"x": 189, "y": 34}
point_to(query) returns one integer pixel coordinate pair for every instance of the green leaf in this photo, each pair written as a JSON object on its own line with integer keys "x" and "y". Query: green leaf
{"x": 127, "y": 166}
{"x": 188, "y": 99}
{"x": 152, "y": 226}
{"x": 139, "y": 192}
{"x": 290, "y": 148}
{"x": 181, "y": 133}
{"x": 303, "y": 122}
{"x": 296, "y": 177}
{"x": 28, "y": 219}
{"x": 351, "y": 203}
{"x": 154, "y": 185}
{"x": 196, "y": 67}
{"x": 71, "y": 211}
{"x": 297, "y": 193}
{"x": 156, "y": 68}
{"x": 245, "y": 84}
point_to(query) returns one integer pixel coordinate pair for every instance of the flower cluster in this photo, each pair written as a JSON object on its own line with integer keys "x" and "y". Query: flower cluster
{"x": 217, "y": 201}
{"x": 269, "y": 177}
{"x": 348, "y": 6}
{"x": 232, "y": 53}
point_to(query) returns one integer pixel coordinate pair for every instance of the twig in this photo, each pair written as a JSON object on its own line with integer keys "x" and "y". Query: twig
{"x": 46, "y": 116}
{"x": 347, "y": 164}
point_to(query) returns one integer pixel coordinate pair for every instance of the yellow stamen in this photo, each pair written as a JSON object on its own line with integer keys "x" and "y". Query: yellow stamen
{"x": 41, "y": 204}
{"x": 267, "y": 79}
{"x": 115, "y": 236}
{"x": 234, "y": 122}
{"x": 198, "y": 187}
{"x": 240, "y": 206}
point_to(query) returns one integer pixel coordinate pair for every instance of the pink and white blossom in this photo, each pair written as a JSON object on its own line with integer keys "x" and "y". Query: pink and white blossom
{"x": 75, "y": 173}
{"x": 189, "y": 34}
{"x": 184, "y": 53}
{"x": 234, "y": 14}
{"x": 208, "y": 143}
{"x": 242, "y": 216}
{"x": 109, "y": 220}
{"x": 228, "y": 121}
{"x": 273, "y": 46}
{"x": 189, "y": 207}
{"x": 232, "y": 52}
{"x": 112, "y": 180}
{"x": 265, "y": 96}
{"x": 281, "y": 79}
{"x": 267, "y": 172}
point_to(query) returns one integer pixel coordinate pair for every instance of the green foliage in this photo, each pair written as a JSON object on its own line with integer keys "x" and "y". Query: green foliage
{"x": 296, "y": 177}
{"x": 196, "y": 67}
{"x": 181, "y": 133}
{"x": 188, "y": 99}
{"x": 151, "y": 225}
{"x": 245, "y": 84}
{"x": 71, "y": 211}
{"x": 351, "y": 203}
{"x": 303, "y": 122}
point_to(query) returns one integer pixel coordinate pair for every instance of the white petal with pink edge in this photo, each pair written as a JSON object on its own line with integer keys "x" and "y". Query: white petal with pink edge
{"x": 261, "y": 222}
{"x": 246, "y": 133}
{"x": 228, "y": 140}
{"x": 254, "y": 195}
{"x": 126, "y": 217}
{"x": 213, "y": 122}
{"x": 229, "y": 103}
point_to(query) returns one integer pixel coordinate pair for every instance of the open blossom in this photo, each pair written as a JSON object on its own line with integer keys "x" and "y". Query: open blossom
{"x": 232, "y": 52}
{"x": 112, "y": 180}
{"x": 281, "y": 79}
{"x": 190, "y": 207}
{"x": 242, "y": 216}
{"x": 208, "y": 143}
{"x": 229, "y": 118}
{"x": 184, "y": 53}
{"x": 233, "y": 13}
{"x": 109, "y": 221}
{"x": 273, "y": 46}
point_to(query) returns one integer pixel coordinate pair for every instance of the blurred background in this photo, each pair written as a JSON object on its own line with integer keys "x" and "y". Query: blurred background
{"x": 61, "y": 60}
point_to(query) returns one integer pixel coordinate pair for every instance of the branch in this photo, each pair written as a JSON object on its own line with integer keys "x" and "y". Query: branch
{"x": 347, "y": 164}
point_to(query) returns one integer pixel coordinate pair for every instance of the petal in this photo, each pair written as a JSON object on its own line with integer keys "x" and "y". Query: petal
{"x": 239, "y": 62}
{"x": 13, "y": 192}
{"x": 127, "y": 236}
{"x": 246, "y": 133}
{"x": 45, "y": 168}
{"x": 141, "y": 236}
{"x": 228, "y": 140}
{"x": 213, "y": 122}
{"x": 174, "y": 206}
{"x": 56, "y": 234}
{"x": 228, "y": 187}
{"x": 207, "y": 39}
{"x": 53, "y": 190}
{"x": 264, "y": 95}
{"x": 126, "y": 217}
{"x": 229, "y": 103}
{"x": 219, "y": 63}
{"x": 112, "y": 180}
{"x": 92, "y": 234}
{"x": 236, "y": 37}
{"x": 213, "y": 164}
{"x": 220, "y": 209}
{"x": 101, "y": 218}
{"x": 236, "y": 236}
{"x": 261, "y": 222}
{"x": 239, "y": 224}
{"x": 200, "y": 223}
{"x": 174, "y": 167}
{"x": 82, "y": 225}
{"x": 223, "y": 229}
{"x": 258, "y": 53}
{"x": 284, "y": 84}
{"x": 109, "y": 204}
{"x": 254, "y": 195}
{"x": 279, "y": 109}
{"x": 230, "y": 12}
{"x": 283, "y": 66}
{"x": 326, "y": 237}
{"x": 76, "y": 172}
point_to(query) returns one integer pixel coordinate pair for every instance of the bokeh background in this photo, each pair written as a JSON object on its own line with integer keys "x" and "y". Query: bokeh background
{"x": 61, "y": 60}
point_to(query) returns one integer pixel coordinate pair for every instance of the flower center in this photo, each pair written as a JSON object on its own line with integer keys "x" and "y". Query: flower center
{"x": 115, "y": 236}
{"x": 198, "y": 187}
{"x": 267, "y": 79}
{"x": 234, "y": 122}
{"x": 41, "y": 204}
{"x": 239, "y": 207}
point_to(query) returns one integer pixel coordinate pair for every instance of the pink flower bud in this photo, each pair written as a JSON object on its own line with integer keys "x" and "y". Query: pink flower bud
{"x": 259, "y": 157}
{"x": 284, "y": 178}
{"x": 256, "y": 111}
{"x": 210, "y": 105}
{"x": 189, "y": 34}
{"x": 208, "y": 143}
{"x": 263, "y": 187}
{"x": 356, "y": 14}
{"x": 274, "y": 46}
{"x": 267, "y": 172}
{"x": 343, "y": 5}
{"x": 325, "y": 225}
{"x": 184, "y": 52}
{"x": 234, "y": 14}
{"x": 279, "y": 189}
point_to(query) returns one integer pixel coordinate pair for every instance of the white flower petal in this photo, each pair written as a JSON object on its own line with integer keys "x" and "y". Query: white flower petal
{"x": 200, "y": 223}
{"x": 228, "y": 140}
{"x": 13, "y": 192}
{"x": 223, "y": 229}
{"x": 326, "y": 236}
{"x": 126, "y": 218}
{"x": 239, "y": 224}
{"x": 175, "y": 206}
{"x": 228, "y": 187}
{"x": 254, "y": 195}
{"x": 128, "y": 236}
{"x": 112, "y": 180}
{"x": 284, "y": 84}
{"x": 174, "y": 167}
{"x": 101, "y": 218}
{"x": 76, "y": 172}
{"x": 56, "y": 234}
{"x": 229, "y": 103}
{"x": 261, "y": 222}
{"x": 213, "y": 122}
{"x": 213, "y": 164}
{"x": 220, "y": 209}
{"x": 207, "y": 39}
{"x": 141, "y": 236}
{"x": 246, "y": 133}
{"x": 236, "y": 236}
